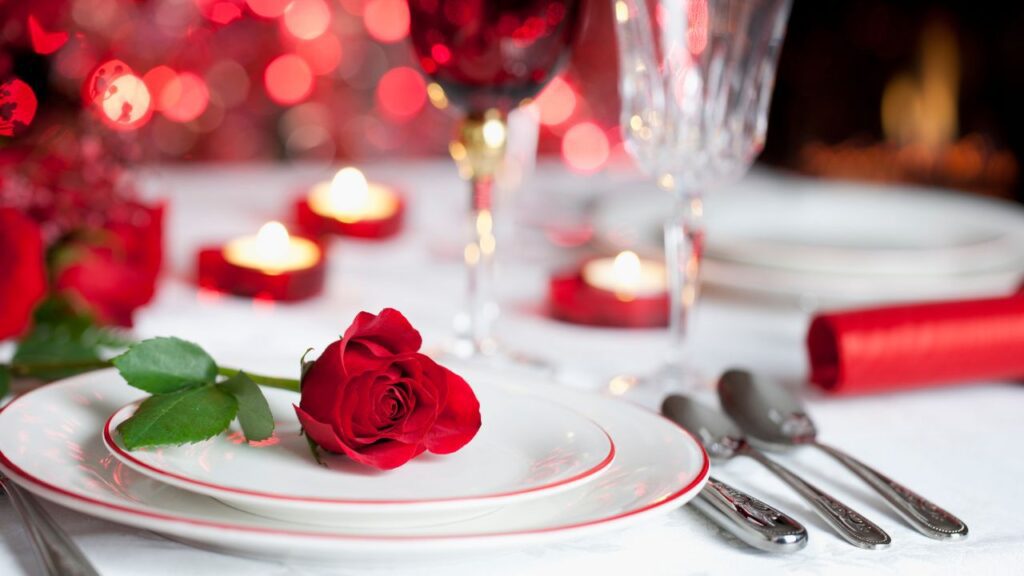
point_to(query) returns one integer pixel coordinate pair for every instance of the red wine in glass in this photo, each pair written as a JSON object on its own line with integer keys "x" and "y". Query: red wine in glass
{"x": 492, "y": 54}
{"x": 488, "y": 56}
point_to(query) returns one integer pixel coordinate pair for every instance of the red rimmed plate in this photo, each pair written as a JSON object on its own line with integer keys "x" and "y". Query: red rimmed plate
{"x": 527, "y": 448}
{"x": 50, "y": 444}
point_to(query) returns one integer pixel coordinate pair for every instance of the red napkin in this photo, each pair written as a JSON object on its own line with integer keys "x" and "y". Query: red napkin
{"x": 910, "y": 346}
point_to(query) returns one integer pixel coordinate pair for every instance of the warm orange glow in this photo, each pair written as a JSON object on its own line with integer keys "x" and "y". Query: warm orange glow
{"x": 268, "y": 8}
{"x": 184, "y": 98}
{"x": 626, "y": 275}
{"x": 350, "y": 198}
{"x": 288, "y": 79}
{"x": 401, "y": 93}
{"x": 307, "y": 19}
{"x": 920, "y": 109}
{"x": 272, "y": 250}
{"x": 556, "y": 103}
{"x": 585, "y": 147}
{"x": 126, "y": 103}
{"x": 386, "y": 20}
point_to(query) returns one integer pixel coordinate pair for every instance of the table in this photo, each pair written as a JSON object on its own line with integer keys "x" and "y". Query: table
{"x": 957, "y": 446}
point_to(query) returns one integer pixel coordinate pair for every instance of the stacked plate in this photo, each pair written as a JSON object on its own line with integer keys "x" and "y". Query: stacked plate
{"x": 548, "y": 463}
{"x": 839, "y": 241}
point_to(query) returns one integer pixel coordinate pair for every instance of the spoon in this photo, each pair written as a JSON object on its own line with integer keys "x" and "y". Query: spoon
{"x": 775, "y": 418}
{"x": 723, "y": 440}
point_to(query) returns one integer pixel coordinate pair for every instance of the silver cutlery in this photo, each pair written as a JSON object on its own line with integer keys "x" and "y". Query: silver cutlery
{"x": 775, "y": 419}
{"x": 724, "y": 440}
{"x": 59, "y": 555}
{"x": 749, "y": 519}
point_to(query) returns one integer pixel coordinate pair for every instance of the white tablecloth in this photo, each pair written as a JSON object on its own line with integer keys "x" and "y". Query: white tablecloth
{"x": 958, "y": 446}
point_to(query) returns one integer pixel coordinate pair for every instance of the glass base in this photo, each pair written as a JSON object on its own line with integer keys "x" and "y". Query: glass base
{"x": 651, "y": 389}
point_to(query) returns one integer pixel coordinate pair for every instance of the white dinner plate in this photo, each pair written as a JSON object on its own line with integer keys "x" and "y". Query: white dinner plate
{"x": 50, "y": 444}
{"x": 526, "y": 448}
{"x": 789, "y": 235}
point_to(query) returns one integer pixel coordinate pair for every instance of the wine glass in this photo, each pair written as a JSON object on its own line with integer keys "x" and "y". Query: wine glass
{"x": 489, "y": 56}
{"x": 696, "y": 82}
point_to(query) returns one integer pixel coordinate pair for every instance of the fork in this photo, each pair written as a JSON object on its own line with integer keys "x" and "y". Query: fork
{"x": 59, "y": 555}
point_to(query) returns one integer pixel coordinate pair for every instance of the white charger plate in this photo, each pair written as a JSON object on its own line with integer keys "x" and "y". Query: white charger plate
{"x": 526, "y": 448}
{"x": 50, "y": 444}
{"x": 787, "y": 235}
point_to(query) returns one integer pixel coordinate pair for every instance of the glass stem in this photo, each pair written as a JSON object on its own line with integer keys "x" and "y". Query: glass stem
{"x": 684, "y": 243}
{"x": 478, "y": 150}
{"x": 474, "y": 334}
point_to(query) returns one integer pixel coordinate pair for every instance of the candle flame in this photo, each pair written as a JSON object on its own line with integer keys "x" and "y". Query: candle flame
{"x": 272, "y": 242}
{"x": 626, "y": 268}
{"x": 350, "y": 192}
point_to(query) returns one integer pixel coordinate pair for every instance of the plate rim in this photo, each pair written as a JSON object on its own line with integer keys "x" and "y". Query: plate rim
{"x": 186, "y": 483}
{"x": 127, "y": 515}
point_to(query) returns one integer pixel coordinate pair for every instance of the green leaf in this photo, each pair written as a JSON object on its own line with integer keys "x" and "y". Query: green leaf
{"x": 5, "y": 380}
{"x": 181, "y": 417}
{"x": 164, "y": 365}
{"x": 253, "y": 411}
{"x": 62, "y": 335}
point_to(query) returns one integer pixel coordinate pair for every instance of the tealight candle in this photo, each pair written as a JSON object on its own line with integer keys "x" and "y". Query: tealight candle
{"x": 626, "y": 275}
{"x": 272, "y": 250}
{"x": 624, "y": 291}
{"x": 272, "y": 264}
{"x": 351, "y": 205}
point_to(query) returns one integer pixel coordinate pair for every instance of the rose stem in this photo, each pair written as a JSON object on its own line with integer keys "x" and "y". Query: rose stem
{"x": 32, "y": 369}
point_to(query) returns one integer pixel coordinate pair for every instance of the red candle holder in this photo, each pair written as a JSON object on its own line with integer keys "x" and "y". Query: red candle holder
{"x": 218, "y": 273}
{"x": 572, "y": 299}
{"x": 314, "y": 223}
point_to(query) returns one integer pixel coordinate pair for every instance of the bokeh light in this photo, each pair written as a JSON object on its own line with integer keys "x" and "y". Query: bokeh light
{"x": 323, "y": 54}
{"x": 307, "y": 19}
{"x": 288, "y": 79}
{"x": 18, "y": 106}
{"x": 45, "y": 41}
{"x": 556, "y": 103}
{"x": 157, "y": 80}
{"x": 386, "y": 20}
{"x": 585, "y": 147}
{"x": 229, "y": 80}
{"x": 220, "y": 11}
{"x": 100, "y": 78}
{"x": 184, "y": 98}
{"x": 401, "y": 93}
{"x": 126, "y": 103}
{"x": 268, "y": 8}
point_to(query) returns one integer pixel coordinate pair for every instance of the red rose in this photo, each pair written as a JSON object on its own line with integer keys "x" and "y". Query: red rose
{"x": 373, "y": 397}
{"x": 23, "y": 277}
{"x": 117, "y": 274}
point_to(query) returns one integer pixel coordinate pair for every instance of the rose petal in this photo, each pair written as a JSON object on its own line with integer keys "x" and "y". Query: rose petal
{"x": 389, "y": 329}
{"x": 323, "y": 385}
{"x": 388, "y": 454}
{"x": 459, "y": 420}
{"x": 322, "y": 434}
{"x": 358, "y": 359}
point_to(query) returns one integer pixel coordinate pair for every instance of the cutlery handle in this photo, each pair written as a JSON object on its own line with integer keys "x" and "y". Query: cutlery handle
{"x": 925, "y": 517}
{"x": 59, "y": 555}
{"x": 749, "y": 519}
{"x": 853, "y": 527}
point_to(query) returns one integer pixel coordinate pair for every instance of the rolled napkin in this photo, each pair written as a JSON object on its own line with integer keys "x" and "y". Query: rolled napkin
{"x": 912, "y": 346}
